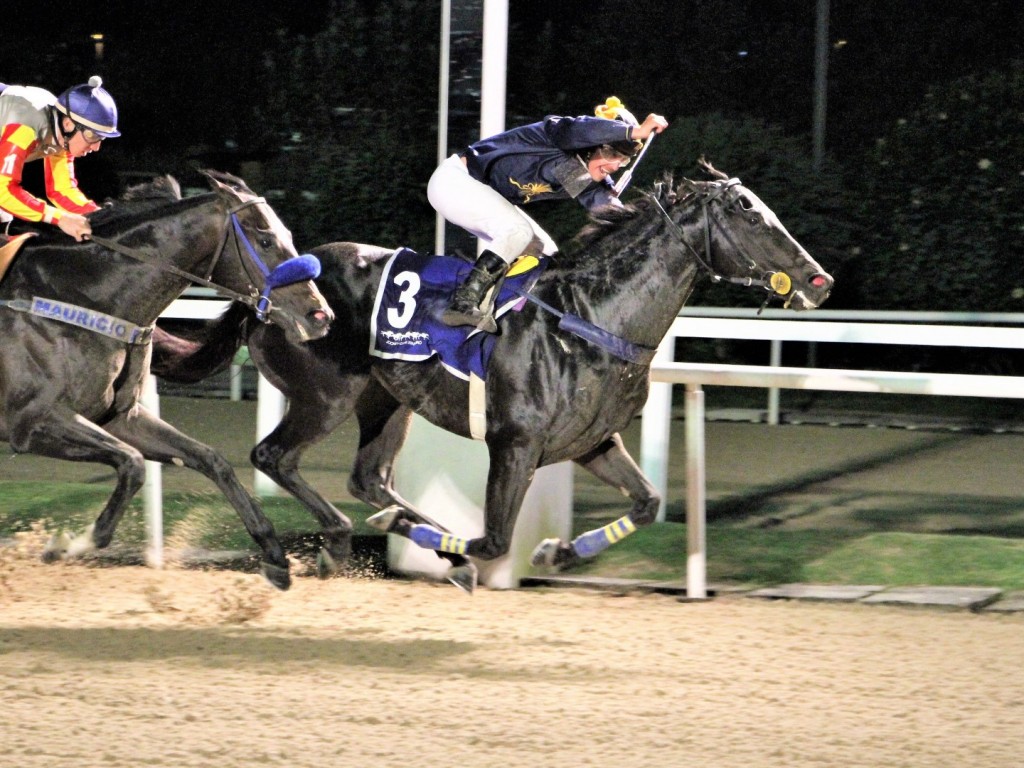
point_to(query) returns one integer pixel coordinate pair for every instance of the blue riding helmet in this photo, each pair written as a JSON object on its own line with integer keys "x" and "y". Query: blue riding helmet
{"x": 90, "y": 106}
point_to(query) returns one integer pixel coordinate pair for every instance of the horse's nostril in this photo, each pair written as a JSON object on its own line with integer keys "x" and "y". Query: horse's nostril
{"x": 321, "y": 317}
{"x": 820, "y": 281}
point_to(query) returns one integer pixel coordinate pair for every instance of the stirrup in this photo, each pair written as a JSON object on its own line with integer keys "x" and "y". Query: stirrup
{"x": 482, "y": 320}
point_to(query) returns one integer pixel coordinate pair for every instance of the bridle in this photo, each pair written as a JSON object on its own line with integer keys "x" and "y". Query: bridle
{"x": 304, "y": 267}
{"x": 776, "y": 283}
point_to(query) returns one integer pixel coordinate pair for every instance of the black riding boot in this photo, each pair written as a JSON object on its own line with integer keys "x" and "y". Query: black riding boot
{"x": 465, "y": 307}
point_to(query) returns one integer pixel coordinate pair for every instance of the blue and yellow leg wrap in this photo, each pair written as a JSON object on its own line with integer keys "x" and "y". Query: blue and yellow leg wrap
{"x": 590, "y": 543}
{"x": 429, "y": 537}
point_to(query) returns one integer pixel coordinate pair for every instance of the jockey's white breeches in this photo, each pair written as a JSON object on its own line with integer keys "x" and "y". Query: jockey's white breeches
{"x": 501, "y": 227}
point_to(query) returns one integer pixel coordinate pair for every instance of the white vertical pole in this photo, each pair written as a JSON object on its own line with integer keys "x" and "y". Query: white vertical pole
{"x": 269, "y": 410}
{"x": 820, "y": 81}
{"x": 492, "y": 74}
{"x": 235, "y": 382}
{"x": 775, "y": 360}
{"x": 152, "y": 489}
{"x": 655, "y": 426}
{"x": 442, "y": 109}
{"x": 696, "y": 501}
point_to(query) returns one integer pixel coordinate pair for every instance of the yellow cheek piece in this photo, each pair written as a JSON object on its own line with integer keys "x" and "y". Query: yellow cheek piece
{"x": 780, "y": 283}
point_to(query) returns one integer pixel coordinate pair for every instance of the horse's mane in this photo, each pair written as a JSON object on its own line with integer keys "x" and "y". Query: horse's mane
{"x": 142, "y": 203}
{"x": 138, "y": 198}
{"x": 618, "y": 228}
{"x": 664, "y": 194}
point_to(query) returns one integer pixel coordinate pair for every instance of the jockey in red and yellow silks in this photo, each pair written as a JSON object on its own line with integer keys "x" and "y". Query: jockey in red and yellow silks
{"x": 35, "y": 124}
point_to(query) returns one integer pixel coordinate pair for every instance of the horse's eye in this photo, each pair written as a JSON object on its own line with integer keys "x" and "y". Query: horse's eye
{"x": 266, "y": 242}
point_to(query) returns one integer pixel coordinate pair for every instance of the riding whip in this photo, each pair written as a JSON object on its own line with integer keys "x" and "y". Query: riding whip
{"x": 621, "y": 184}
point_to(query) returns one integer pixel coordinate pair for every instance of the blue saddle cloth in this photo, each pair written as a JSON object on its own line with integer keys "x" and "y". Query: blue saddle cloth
{"x": 414, "y": 291}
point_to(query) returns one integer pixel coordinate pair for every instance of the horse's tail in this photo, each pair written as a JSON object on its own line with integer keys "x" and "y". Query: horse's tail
{"x": 198, "y": 354}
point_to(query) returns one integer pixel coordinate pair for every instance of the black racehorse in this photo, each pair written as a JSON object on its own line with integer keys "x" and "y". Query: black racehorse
{"x": 557, "y": 388}
{"x": 78, "y": 319}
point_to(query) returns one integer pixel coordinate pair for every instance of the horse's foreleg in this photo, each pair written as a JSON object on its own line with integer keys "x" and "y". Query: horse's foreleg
{"x": 611, "y": 463}
{"x": 306, "y": 423}
{"x": 508, "y": 479}
{"x": 159, "y": 441}
{"x": 69, "y": 436}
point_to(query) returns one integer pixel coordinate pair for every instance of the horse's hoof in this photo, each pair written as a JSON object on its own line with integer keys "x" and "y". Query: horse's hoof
{"x": 83, "y": 542}
{"x": 463, "y": 577}
{"x": 334, "y": 554}
{"x": 56, "y": 548}
{"x": 386, "y": 518}
{"x": 279, "y": 577}
{"x": 545, "y": 554}
{"x": 326, "y": 566}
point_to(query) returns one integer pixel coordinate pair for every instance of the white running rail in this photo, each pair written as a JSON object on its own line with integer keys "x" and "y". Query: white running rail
{"x": 776, "y": 326}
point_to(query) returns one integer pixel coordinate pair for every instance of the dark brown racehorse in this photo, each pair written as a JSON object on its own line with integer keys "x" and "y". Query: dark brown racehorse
{"x": 558, "y": 388}
{"x": 77, "y": 318}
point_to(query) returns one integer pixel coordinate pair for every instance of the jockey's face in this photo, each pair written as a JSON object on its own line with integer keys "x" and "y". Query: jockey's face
{"x": 604, "y": 162}
{"x": 82, "y": 141}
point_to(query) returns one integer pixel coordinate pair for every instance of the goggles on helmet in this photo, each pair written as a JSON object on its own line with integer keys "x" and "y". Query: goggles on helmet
{"x": 90, "y": 136}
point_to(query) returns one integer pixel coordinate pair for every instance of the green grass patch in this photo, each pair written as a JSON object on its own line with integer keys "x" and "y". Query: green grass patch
{"x": 908, "y": 559}
{"x": 189, "y": 519}
{"x": 750, "y": 557}
{"x": 736, "y": 555}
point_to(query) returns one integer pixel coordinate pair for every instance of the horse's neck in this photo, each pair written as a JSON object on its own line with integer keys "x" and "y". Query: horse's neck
{"x": 642, "y": 285}
{"x": 185, "y": 239}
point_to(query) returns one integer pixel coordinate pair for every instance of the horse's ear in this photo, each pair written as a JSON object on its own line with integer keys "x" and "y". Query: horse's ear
{"x": 221, "y": 180}
{"x": 167, "y": 185}
{"x": 710, "y": 170}
{"x": 685, "y": 187}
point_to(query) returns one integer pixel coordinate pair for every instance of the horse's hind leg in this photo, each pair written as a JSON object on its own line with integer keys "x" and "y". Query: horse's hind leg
{"x": 159, "y": 441}
{"x": 307, "y": 422}
{"x": 611, "y": 463}
{"x": 383, "y": 427}
{"x": 69, "y": 436}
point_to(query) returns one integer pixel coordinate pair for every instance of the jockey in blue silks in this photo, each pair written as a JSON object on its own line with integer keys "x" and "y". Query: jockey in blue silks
{"x": 483, "y": 188}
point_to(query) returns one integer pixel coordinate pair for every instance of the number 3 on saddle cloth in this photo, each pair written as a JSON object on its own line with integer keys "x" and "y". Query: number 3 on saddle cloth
{"x": 414, "y": 291}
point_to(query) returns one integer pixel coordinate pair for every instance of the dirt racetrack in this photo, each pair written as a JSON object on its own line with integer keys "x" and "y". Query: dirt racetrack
{"x": 120, "y": 667}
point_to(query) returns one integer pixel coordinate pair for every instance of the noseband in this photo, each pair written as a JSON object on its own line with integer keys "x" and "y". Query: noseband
{"x": 776, "y": 283}
{"x": 260, "y": 303}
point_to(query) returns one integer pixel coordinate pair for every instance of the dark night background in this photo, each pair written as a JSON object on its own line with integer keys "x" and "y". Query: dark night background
{"x": 329, "y": 108}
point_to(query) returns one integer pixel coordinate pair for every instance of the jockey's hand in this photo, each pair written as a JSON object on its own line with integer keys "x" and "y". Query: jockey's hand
{"x": 652, "y": 124}
{"x": 76, "y": 225}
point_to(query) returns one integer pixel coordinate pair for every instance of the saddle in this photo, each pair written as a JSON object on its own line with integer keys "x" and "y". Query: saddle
{"x": 9, "y": 249}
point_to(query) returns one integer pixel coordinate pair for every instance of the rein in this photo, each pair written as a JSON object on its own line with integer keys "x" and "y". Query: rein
{"x": 576, "y": 325}
{"x": 260, "y": 304}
